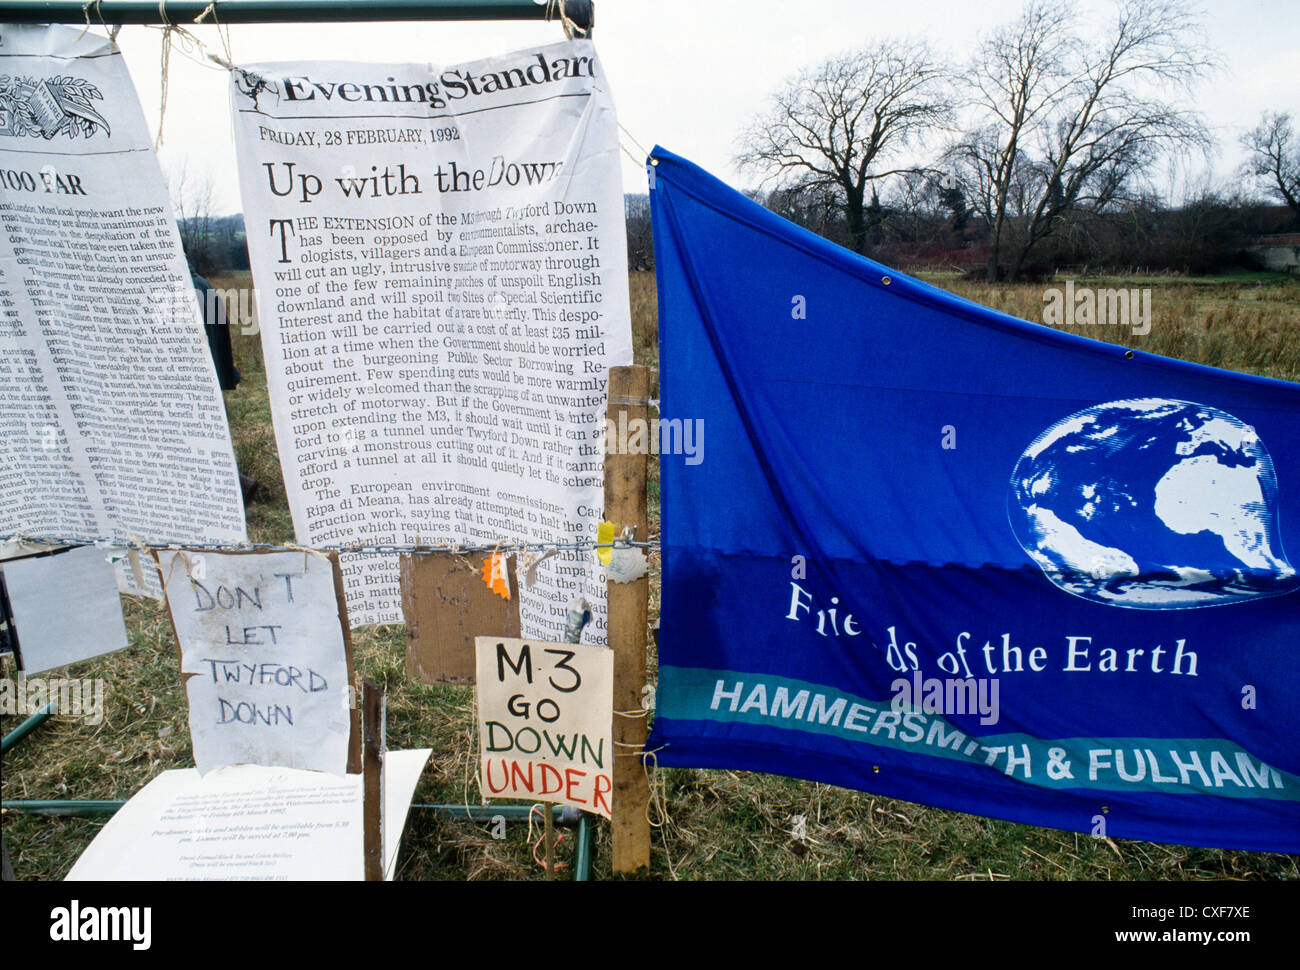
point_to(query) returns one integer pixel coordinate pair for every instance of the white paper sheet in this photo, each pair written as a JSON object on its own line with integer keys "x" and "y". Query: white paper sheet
{"x": 66, "y": 608}
{"x": 248, "y": 822}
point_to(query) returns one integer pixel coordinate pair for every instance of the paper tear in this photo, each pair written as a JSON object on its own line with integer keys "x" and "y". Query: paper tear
{"x": 133, "y": 555}
{"x": 530, "y": 571}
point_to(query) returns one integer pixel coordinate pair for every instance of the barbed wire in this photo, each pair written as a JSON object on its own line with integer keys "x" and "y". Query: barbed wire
{"x": 386, "y": 549}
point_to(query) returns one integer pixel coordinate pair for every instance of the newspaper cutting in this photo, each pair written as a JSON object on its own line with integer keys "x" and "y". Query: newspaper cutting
{"x": 113, "y": 422}
{"x": 441, "y": 274}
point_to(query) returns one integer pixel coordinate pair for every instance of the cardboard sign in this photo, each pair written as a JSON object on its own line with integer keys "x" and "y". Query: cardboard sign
{"x": 65, "y": 608}
{"x": 266, "y": 656}
{"x": 447, "y": 604}
{"x": 545, "y": 720}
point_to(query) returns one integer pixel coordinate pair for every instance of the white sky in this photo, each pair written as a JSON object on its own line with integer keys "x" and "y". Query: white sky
{"x": 688, "y": 75}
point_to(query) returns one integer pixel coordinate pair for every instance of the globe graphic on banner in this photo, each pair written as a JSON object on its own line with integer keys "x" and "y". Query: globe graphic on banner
{"x": 1152, "y": 504}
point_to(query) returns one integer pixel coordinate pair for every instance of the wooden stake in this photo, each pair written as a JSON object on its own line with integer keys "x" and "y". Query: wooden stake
{"x": 354, "y": 738}
{"x": 373, "y": 726}
{"x": 548, "y": 836}
{"x": 629, "y": 603}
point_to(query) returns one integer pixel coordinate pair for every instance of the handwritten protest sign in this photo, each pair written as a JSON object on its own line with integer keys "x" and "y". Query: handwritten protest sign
{"x": 266, "y": 657}
{"x": 545, "y": 716}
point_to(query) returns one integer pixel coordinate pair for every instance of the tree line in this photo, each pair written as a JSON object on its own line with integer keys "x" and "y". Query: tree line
{"x": 1044, "y": 147}
{"x": 1041, "y": 149}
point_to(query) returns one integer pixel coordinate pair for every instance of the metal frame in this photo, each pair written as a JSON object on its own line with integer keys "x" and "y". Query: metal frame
{"x": 563, "y": 816}
{"x": 185, "y": 12}
{"x": 580, "y": 12}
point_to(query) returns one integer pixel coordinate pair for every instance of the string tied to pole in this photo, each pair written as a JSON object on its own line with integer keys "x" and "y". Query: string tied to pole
{"x": 555, "y": 10}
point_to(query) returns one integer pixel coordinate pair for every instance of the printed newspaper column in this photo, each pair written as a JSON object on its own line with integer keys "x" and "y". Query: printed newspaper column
{"x": 111, "y": 415}
{"x": 441, "y": 274}
{"x": 266, "y": 658}
{"x": 545, "y": 722}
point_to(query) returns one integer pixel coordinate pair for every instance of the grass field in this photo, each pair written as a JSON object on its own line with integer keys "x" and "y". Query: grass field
{"x": 711, "y": 824}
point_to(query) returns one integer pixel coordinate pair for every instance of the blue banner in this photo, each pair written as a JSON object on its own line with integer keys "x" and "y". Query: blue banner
{"x": 920, "y": 548}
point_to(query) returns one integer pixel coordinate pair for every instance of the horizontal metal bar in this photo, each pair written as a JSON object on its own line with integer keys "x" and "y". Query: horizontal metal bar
{"x": 64, "y": 807}
{"x": 564, "y": 815}
{"x": 183, "y": 12}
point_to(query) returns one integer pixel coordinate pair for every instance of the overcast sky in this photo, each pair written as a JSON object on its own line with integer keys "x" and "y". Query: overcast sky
{"x": 688, "y": 74}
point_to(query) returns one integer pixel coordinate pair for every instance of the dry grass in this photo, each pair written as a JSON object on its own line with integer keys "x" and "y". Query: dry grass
{"x": 714, "y": 824}
{"x": 1253, "y": 328}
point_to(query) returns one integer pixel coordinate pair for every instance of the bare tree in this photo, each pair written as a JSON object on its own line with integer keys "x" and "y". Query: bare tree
{"x": 192, "y": 201}
{"x": 815, "y": 207}
{"x": 1018, "y": 75}
{"x": 1275, "y": 158}
{"x": 1062, "y": 123}
{"x": 921, "y": 205}
{"x": 640, "y": 240}
{"x": 848, "y": 123}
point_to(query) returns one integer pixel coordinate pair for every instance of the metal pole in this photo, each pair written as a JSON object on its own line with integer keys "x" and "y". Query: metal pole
{"x": 21, "y": 731}
{"x": 474, "y": 813}
{"x": 64, "y": 807}
{"x": 486, "y": 813}
{"x": 184, "y": 12}
{"x": 582, "y": 851}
